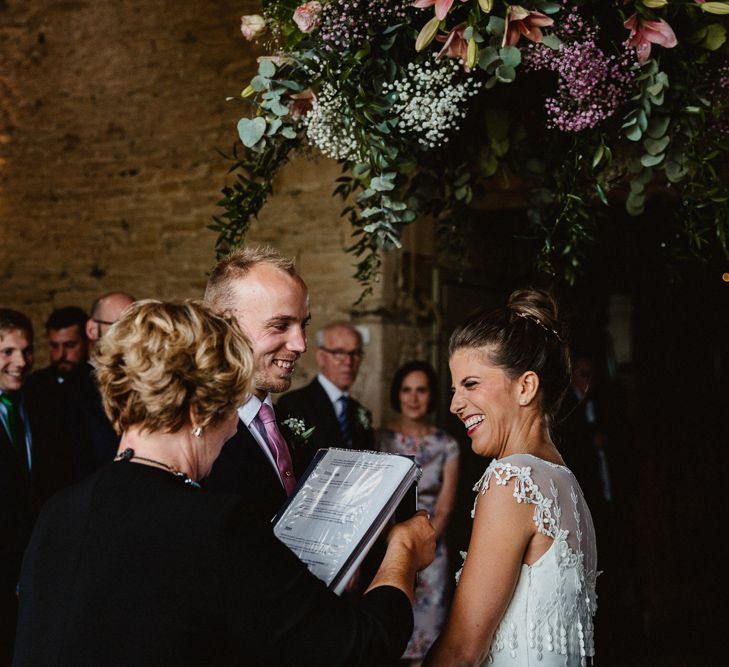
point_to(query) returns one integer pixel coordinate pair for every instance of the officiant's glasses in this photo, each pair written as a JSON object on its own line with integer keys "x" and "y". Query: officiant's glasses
{"x": 341, "y": 355}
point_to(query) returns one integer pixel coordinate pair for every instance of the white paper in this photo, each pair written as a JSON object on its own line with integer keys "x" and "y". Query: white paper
{"x": 335, "y": 507}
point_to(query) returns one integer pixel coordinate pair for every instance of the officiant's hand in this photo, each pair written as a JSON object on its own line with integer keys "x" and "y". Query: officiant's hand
{"x": 418, "y": 536}
{"x": 410, "y": 548}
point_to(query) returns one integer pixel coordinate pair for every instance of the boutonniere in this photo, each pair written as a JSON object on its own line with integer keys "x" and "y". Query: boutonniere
{"x": 297, "y": 428}
{"x": 364, "y": 417}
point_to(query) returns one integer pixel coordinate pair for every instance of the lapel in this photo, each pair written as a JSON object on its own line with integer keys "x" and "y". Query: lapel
{"x": 327, "y": 421}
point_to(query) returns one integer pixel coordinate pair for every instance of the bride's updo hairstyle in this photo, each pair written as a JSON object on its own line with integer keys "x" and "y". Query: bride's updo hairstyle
{"x": 525, "y": 335}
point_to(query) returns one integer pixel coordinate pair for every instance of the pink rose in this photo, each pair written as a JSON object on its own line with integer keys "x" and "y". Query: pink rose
{"x": 307, "y": 16}
{"x": 252, "y": 26}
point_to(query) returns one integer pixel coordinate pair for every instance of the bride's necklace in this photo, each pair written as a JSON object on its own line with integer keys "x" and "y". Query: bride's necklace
{"x": 129, "y": 455}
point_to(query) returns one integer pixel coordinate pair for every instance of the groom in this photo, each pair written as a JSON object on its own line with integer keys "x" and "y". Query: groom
{"x": 261, "y": 289}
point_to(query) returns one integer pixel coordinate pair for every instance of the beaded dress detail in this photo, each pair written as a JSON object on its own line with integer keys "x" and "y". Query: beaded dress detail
{"x": 548, "y": 621}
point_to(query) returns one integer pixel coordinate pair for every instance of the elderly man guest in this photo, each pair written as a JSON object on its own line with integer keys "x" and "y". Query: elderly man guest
{"x": 261, "y": 290}
{"x": 137, "y": 566}
{"x": 106, "y": 310}
{"x": 16, "y": 507}
{"x": 325, "y": 403}
{"x": 90, "y": 425}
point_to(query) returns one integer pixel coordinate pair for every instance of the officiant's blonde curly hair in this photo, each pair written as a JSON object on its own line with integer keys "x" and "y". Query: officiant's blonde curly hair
{"x": 160, "y": 359}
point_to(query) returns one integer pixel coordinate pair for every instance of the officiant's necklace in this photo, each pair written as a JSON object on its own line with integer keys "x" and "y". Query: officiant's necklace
{"x": 129, "y": 455}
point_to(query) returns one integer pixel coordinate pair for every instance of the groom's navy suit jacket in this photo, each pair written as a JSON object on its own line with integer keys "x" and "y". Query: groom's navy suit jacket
{"x": 243, "y": 468}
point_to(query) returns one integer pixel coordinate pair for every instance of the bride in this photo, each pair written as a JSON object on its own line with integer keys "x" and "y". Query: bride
{"x": 526, "y": 593}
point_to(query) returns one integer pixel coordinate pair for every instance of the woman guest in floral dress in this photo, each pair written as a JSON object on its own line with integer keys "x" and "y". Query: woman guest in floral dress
{"x": 413, "y": 396}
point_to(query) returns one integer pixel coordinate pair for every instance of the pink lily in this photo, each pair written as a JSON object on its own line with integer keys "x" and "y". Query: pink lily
{"x": 442, "y": 7}
{"x": 455, "y": 46}
{"x": 520, "y": 21}
{"x": 301, "y": 103}
{"x": 644, "y": 32}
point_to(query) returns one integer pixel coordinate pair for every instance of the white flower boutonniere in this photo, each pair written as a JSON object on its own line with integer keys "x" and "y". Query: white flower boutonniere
{"x": 297, "y": 428}
{"x": 364, "y": 417}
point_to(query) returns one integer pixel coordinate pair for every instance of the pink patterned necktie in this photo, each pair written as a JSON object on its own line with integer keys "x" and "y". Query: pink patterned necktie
{"x": 278, "y": 447}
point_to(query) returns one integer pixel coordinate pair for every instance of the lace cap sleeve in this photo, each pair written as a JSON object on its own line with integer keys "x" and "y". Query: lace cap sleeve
{"x": 525, "y": 491}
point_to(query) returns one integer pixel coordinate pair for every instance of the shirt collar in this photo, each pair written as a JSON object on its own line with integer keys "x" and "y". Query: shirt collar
{"x": 249, "y": 410}
{"x": 334, "y": 392}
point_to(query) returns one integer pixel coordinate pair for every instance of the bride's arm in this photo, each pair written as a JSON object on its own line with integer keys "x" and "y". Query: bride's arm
{"x": 502, "y": 529}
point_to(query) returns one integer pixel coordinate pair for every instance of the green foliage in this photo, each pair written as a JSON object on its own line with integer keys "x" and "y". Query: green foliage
{"x": 400, "y": 163}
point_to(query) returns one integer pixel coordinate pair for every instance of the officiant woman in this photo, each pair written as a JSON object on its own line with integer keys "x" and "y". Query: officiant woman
{"x": 136, "y": 565}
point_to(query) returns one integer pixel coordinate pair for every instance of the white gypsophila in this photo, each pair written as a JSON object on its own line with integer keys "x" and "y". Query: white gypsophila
{"x": 429, "y": 102}
{"x": 326, "y": 126}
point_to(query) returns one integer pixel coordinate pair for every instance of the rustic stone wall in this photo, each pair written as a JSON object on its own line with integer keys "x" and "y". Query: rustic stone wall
{"x": 111, "y": 114}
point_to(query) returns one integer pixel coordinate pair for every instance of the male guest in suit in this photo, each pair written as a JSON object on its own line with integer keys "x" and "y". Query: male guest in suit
{"x": 60, "y": 458}
{"x": 338, "y": 419}
{"x": 89, "y": 419}
{"x": 262, "y": 291}
{"x": 16, "y": 508}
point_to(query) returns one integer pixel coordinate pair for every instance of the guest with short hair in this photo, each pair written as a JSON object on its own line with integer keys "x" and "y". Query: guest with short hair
{"x": 137, "y": 565}
{"x": 16, "y": 464}
{"x": 326, "y": 404}
{"x": 51, "y": 395}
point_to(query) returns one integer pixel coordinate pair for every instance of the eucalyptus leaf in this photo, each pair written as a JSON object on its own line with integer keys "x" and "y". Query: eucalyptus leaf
{"x": 649, "y": 160}
{"x": 552, "y": 41}
{"x": 510, "y": 56}
{"x": 487, "y": 56}
{"x": 289, "y": 132}
{"x": 266, "y": 68}
{"x": 259, "y": 83}
{"x": 633, "y": 133}
{"x": 495, "y": 26}
{"x": 675, "y": 171}
{"x": 658, "y": 126}
{"x": 505, "y": 73}
{"x": 250, "y": 130}
{"x": 656, "y": 146}
{"x": 273, "y": 126}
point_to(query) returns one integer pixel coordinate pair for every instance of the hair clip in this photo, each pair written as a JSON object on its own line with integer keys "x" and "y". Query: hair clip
{"x": 536, "y": 320}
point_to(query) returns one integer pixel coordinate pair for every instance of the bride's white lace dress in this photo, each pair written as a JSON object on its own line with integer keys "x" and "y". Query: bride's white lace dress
{"x": 549, "y": 619}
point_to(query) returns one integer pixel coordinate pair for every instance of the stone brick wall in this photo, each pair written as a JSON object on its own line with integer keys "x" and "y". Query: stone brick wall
{"x": 111, "y": 112}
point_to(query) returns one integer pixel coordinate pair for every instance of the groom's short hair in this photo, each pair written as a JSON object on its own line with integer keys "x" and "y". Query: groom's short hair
{"x": 236, "y": 265}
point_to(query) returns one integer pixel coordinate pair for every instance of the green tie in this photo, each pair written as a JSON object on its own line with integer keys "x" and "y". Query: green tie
{"x": 15, "y": 426}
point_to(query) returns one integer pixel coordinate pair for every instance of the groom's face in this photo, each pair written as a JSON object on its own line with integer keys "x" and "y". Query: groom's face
{"x": 272, "y": 309}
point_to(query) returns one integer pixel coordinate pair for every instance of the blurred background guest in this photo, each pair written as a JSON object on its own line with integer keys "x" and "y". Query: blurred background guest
{"x": 339, "y": 420}
{"x": 16, "y": 463}
{"x": 51, "y": 397}
{"x": 413, "y": 396}
{"x": 136, "y": 565}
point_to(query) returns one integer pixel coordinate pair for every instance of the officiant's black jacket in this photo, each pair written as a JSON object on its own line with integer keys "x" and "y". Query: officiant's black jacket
{"x": 133, "y": 567}
{"x": 312, "y": 405}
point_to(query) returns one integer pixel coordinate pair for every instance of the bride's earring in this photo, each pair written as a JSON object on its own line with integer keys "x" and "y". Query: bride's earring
{"x": 197, "y": 431}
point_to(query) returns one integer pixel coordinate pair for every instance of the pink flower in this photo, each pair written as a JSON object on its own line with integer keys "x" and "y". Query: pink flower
{"x": 442, "y": 7}
{"x": 301, "y": 103}
{"x": 455, "y": 46}
{"x": 252, "y": 26}
{"x": 644, "y": 32}
{"x": 307, "y": 16}
{"x": 520, "y": 21}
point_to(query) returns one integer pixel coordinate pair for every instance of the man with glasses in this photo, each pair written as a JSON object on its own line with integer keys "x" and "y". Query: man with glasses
{"x": 325, "y": 403}
{"x": 106, "y": 310}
